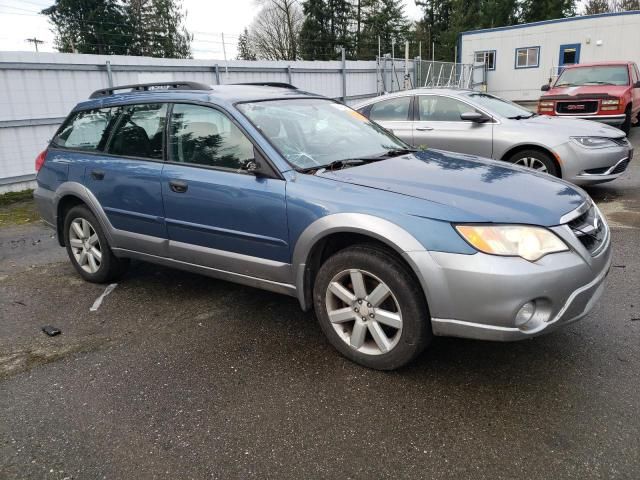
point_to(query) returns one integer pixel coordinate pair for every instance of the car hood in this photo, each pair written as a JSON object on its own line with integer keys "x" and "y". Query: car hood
{"x": 585, "y": 91}
{"x": 477, "y": 190}
{"x": 573, "y": 127}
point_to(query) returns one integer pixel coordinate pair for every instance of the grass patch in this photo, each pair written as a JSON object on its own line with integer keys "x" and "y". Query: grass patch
{"x": 19, "y": 210}
{"x": 14, "y": 197}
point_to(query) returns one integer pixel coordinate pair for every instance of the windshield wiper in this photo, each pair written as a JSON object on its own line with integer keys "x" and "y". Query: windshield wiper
{"x": 338, "y": 164}
{"x": 394, "y": 152}
{"x": 522, "y": 117}
{"x": 565, "y": 85}
{"x": 597, "y": 82}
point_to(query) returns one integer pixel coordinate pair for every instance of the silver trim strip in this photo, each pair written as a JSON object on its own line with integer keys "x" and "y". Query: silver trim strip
{"x": 567, "y": 217}
{"x": 607, "y": 172}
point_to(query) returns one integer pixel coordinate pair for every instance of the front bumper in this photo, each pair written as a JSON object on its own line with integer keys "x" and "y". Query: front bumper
{"x": 585, "y": 166}
{"x": 478, "y": 296}
{"x": 614, "y": 120}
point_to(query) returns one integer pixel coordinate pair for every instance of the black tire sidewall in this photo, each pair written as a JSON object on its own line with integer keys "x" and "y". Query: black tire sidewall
{"x": 552, "y": 168}
{"x": 110, "y": 266}
{"x": 416, "y": 330}
{"x": 626, "y": 126}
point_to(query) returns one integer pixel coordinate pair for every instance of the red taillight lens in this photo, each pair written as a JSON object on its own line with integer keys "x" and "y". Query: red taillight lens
{"x": 40, "y": 160}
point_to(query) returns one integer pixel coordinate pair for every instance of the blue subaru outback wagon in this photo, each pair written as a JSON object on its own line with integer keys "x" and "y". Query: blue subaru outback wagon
{"x": 280, "y": 189}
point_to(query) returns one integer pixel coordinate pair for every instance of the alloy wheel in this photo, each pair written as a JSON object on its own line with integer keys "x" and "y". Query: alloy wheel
{"x": 364, "y": 312}
{"x": 85, "y": 245}
{"x": 533, "y": 163}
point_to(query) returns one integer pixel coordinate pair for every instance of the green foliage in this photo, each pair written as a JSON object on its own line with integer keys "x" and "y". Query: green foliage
{"x": 537, "y": 10}
{"x": 596, "y": 6}
{"x": 112, "y": 27}
{"x": 382, "y": 19}
{"x": 245, "y": 52}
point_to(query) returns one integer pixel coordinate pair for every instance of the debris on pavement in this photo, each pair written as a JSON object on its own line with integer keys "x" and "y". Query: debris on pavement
{"x": 51, "y": 330}
{"x": 98, "y": 301}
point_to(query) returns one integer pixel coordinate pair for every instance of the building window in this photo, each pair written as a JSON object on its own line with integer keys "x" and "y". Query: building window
{"x": 528, "y": 57}
{"x": 488, "y": 57}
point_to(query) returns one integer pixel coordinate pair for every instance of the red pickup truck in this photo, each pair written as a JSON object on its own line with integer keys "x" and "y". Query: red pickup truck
{"x": 607, "y": 92}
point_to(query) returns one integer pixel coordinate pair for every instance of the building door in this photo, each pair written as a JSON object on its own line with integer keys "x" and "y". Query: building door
{"x": 569, "y": 55}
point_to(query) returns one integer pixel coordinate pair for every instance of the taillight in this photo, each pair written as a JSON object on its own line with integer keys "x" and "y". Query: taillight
{"x": 40, "y": 160}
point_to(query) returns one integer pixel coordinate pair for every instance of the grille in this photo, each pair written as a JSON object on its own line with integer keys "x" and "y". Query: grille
{"x": 621, "y": 167}
{"x": 590, "y": 229}
{"x": 577, "y": 108}
{"x": 623, "y": 142}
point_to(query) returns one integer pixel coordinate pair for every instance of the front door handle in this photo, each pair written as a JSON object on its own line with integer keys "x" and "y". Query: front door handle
{"x": 178, "y": 186}
{"x": 97, "y": 174}
{"x": 424, "y": 129}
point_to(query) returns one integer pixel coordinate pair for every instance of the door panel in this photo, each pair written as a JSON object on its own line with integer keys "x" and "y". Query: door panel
{"x": 210, "y": 202}
{"x": 394, "y": 114}
{"x": 439, "y": 126}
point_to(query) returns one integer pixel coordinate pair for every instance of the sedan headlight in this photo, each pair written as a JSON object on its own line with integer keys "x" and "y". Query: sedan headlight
{"x": 530, "y": 243}
{"x": 593, "y": 142}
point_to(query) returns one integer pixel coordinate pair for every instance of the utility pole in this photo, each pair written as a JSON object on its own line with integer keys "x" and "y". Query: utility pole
{"x": 35, "y": 42}
{"x": 406, "y": 65}
{"x": 224, "y": 53}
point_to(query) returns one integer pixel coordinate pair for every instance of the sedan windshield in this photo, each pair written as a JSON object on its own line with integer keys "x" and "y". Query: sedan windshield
{"x": 500, "y": 106}
{"x": 314, "y": 132}
{"x": 602, "y": 75}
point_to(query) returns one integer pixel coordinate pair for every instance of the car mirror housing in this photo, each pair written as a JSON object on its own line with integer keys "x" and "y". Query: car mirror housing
{"x": 475, "y": 117}
{"x": 546, "y": 87}
{"x": 636, "y": 85}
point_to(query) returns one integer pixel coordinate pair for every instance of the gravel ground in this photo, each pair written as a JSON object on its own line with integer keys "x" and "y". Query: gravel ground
{"x": 181, "y": 376}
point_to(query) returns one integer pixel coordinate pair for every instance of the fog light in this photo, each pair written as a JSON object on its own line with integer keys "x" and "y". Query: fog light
{"x": 525, "y": 314}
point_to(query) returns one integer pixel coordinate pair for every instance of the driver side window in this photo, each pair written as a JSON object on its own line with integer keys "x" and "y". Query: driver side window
{"x": 433, "y": 108}
{"x": 205, "y": 136}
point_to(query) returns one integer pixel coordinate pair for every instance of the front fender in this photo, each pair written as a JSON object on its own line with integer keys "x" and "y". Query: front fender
{"x": 377, "y": 228}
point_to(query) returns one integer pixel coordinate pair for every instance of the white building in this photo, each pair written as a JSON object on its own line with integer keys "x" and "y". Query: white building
{"x": 520, "y": 58}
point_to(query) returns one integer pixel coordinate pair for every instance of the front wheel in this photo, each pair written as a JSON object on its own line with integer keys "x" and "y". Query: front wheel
{"x": 626, "y": 126}
{"x": 371, "y": 308}
{"x": 88, "y": 248}
{"x": 535, "y": 160}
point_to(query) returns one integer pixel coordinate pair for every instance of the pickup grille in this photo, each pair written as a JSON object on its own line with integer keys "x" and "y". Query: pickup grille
{"x": 590, "y": 229}
{"x": 577, "y": 108}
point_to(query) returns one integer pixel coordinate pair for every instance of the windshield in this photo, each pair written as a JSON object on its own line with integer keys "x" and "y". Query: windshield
{"x": 603, "y": 75}
{"x": 500, "y": 106}
{"x": 313, "y": 132}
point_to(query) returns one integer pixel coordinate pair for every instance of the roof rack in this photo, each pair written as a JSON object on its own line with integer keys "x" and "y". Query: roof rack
{"x": 143, "y": 87}
{"x": 269, "y": 84}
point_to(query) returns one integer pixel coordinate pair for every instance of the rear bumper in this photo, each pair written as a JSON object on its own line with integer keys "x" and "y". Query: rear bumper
{"x": 478, "y": 296}
{"x": 45, "y": 201}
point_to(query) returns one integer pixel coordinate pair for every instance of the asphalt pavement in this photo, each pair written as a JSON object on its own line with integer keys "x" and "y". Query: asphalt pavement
{"x": 180, "y": 376}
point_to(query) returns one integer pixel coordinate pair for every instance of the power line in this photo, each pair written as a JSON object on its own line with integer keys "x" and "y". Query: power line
{"x": 35, "y": 42}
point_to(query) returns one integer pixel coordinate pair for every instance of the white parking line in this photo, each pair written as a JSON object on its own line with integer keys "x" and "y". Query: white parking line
{"x": 98, "y": 301}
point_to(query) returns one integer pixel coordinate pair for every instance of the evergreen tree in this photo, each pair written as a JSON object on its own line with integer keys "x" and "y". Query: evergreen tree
{"x": 382, "y": 19}
{"x": 627, "y": 5}
{"x": 596, "y": 6}
{"x": 245, "y": 51}
{"x": 537, "y": 10}
{"x": 315, "y": 42}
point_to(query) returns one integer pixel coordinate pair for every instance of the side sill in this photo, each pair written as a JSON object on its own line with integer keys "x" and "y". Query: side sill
{"x": 261, "y": 283}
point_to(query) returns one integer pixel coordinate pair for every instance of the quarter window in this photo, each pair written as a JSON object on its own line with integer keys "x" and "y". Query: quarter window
{"x": 433, "y": 108}
{"x": 205, "y": 136}
{"x": 86, "y": 130}
{"x": 395, "y": 109}
{"x": 488, "y": 57}
{"x": 528, "y": 57}
{"x": 139, "y": 131}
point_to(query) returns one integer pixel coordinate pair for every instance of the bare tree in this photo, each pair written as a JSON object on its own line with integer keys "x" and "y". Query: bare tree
{"x": 274, "y": 33}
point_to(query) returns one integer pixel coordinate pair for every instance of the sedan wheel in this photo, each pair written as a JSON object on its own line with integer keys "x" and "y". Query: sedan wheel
{"x": 533, "y": 163}
{"x": 85, "y": 245}
{"x": 364, "y": 312}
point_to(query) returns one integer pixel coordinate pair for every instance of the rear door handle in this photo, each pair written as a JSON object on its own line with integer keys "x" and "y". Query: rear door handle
{"x": 97, "y": 174}
{"x": 178, "y": 186}
{"x": 424, "y": 129}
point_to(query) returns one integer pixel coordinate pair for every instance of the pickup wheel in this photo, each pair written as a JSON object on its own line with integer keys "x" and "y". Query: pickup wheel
{"x": 371, "y": 308}
{"x": 88, "y": 248}
{"x": 626, "y": 126}
{"x": 535, "y": 160}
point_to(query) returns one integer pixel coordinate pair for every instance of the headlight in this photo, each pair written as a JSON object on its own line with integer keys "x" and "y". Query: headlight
{"x": 593, "y": 142}
{"x": 530, "y": 243}
{"x": 546, "y": 104}
{"x": 610, "y": 102}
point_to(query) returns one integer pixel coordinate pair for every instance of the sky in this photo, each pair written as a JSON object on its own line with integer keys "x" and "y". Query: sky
{"x": 208, "y": 20}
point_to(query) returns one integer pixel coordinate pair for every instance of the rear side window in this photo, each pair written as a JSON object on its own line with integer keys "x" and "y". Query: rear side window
{"x": 395, "y": 109}
{"x": 86, "y": 130}
{"x": 433, "y": 108}
{"x": 139, "y": 131}
{"x": 205, "y": 136}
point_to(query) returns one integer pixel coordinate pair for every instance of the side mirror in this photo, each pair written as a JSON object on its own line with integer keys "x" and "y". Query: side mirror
{"x": 636, "y": 85}
{"x": 475, "y": 117}
{"x": 546, "y": 87}
{"x": 258, "y": 165}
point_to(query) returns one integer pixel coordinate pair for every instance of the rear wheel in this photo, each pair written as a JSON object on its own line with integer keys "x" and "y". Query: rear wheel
{"x": 535, "y": 160}
{"x": 88, "y": 248}
{"x": 371, "y": 308}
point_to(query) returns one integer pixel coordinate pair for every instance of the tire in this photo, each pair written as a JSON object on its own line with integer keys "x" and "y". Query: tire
{"x": 536, "y": 160}
{"x": 379, "y": 344}
{"x": 88, "y": 248}
{"x": 626, "y": 126}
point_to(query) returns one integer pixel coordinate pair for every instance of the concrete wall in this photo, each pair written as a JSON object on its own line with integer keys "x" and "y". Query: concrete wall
{"x": 37, "y": 90}
{"x": 619, "y": 35}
